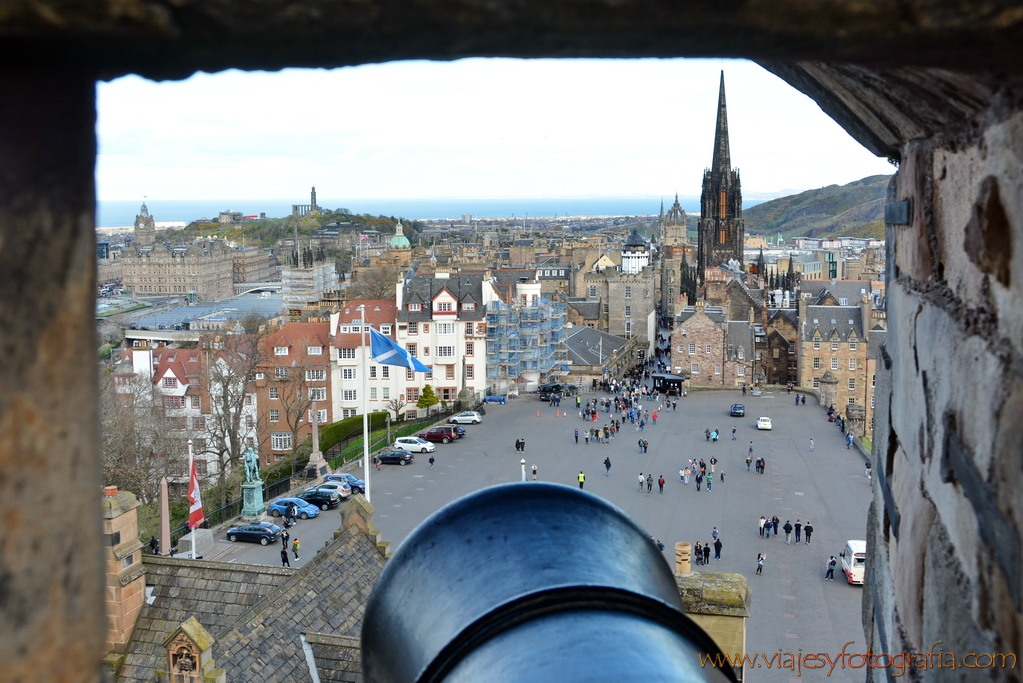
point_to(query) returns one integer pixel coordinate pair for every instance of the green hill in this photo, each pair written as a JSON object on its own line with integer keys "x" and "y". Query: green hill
{"x": 853, "y": 210}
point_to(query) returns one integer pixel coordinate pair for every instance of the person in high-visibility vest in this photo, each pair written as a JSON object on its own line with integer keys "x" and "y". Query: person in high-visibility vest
{"x": 582, "y": 478}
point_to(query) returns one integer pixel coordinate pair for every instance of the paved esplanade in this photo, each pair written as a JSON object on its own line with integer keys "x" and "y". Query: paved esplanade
{"x": 792, "y": 607}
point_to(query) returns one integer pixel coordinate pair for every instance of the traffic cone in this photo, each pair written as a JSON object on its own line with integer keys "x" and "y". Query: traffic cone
{"x": 538, "y": 412}
{"x": 557, "y": 413}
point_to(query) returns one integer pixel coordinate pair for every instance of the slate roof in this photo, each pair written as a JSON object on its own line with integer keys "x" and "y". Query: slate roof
{"x": 422, "y": 288}
{"x": 739, "y": 334}
{"x": 215, "y": 593}
{"x": 262, "y": 616}
{"x": 850, "y": 290}
{"x": 589, "y": 346}
{"x": 715, "y": 313}
{"x": 831, "y": 320}
{"x": 875, "y": 340}
{"x": 791, "y": 313}
{"x": 589, "y": 310}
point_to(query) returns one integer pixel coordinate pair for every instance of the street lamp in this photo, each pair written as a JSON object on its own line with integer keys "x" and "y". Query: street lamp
{"x": 523, "y": 463}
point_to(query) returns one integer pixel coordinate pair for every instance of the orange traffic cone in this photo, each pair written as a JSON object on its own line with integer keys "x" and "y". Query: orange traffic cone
{"x": 557, "y": 413}
{"x": 538, "y": 412}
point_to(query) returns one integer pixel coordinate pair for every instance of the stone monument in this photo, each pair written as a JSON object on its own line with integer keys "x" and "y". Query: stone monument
{"x": 317, "y": 463}
{"x": 253, "y": 506}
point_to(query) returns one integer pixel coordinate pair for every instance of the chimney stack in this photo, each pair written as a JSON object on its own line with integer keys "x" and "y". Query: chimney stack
{"x": 125, "y": 575}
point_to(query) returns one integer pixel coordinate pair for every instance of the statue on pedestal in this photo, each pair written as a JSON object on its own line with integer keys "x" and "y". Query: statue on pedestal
{"x": 251, "y": 465}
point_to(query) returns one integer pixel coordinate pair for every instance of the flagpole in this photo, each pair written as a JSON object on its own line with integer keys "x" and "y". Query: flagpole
{"x": 365, "y": 404}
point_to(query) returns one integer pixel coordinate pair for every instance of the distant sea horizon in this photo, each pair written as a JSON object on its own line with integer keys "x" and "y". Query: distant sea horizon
{"x": 121, "y": 213}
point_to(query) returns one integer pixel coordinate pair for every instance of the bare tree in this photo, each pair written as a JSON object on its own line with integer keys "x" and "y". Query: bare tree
{"x": 374, "y": 283}
{"x": 228, "y": 369}
{"x": 396, "y": 405}
{"x": 140, "y": 444}
{"x": 295, "y": 397}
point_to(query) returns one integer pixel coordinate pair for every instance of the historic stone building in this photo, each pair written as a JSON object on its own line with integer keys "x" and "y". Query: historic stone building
{"x": 671, "y": 226}
{"x": 254, "y": 264}
{"x": 149, "y": 268}
{"x": 710, "y": 349}
{"x": 721, "y": 229}
{"x": 628, "y": 300}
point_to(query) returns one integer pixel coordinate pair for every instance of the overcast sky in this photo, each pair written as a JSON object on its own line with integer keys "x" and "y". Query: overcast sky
{"x": 471, "y": 128}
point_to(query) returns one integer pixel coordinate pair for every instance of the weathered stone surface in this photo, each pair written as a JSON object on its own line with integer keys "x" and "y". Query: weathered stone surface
{"x": 719, "y": 593}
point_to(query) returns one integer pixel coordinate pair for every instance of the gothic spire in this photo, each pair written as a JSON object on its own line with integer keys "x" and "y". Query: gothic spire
{"x": 722, "y": 158}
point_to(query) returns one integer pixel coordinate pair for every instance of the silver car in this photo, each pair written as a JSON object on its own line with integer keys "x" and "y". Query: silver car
{"x": 468, "y": 417}
{"x": 413, "y": 444}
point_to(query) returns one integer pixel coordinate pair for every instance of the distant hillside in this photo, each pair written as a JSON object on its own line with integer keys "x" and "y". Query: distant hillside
{"x": 853, "y": 210}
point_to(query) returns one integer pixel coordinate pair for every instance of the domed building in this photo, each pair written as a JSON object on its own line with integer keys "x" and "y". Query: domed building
{"x": 635, "y": 254}
{"x": 399, "y": 241}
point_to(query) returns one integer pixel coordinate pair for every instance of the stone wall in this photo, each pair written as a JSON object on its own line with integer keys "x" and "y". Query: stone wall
{"x": 945, "y": 524}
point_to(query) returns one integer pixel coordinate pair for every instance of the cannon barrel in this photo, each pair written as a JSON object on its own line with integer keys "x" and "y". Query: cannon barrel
{"x": 530, "y": 582}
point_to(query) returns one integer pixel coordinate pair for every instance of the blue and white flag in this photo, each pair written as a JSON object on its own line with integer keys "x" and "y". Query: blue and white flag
{"x": 387, "y": 352}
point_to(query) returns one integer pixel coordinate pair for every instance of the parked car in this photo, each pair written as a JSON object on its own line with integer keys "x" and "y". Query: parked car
{"x": 468, "y": 417}
{"x": 342, "y": 488}
{"x": 357, "y": 485}
{"x": 414, "y": 444}
{"x": 400, "y": 457}
{"x": 324, "y": 499}
{"x": 764, "y": 423}
{"x": 738, "y": 410}
{"x": 444, "y": 433}
{"x": 305, "y": 510}
{"x": 262, "y": 533}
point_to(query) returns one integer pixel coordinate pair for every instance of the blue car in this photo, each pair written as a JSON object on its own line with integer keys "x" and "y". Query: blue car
{"x": 358, "y": 485}
{"x": 304, "y": 510}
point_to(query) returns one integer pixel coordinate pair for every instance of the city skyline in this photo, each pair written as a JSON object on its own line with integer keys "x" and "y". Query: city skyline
{"x": 470, "y": 128}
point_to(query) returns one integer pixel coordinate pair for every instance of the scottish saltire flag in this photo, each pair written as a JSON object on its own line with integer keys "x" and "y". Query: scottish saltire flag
{"x": 387, "y": 352}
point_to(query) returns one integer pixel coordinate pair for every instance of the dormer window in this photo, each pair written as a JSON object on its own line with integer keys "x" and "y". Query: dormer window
{"x": 415, "y": 307}
{"x": 444, "y": 306}
{"x": 314, "y": 351}
{"x": 469, "y": 307}
{"x": 280, "y": 350}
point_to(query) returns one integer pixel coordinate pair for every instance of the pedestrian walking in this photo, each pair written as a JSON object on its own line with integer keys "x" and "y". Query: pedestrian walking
{"x": 710, "y": 481}
{"x": 649, "y": 483}
{"x": 830, "y": 574}
{"x": 717, "y": 549}
{"x": 722, "y": 476}
{"x": 682, "y": 474}
{"x": 808, "y": 530}
{"x": 774, "y": 525}
{"x": 284, "y": 558}
{"x": 432, "y": 460}
{"x": 811, "y": 444}
{"x": 733, "y": 432}
{"x": 763, "y": 521}
{"x": 641, "y": 482}
{"x": 706, "y": 434}
{"x": 296, "y": 545}
{"x": 582, "y": 479}
{"x": 699, "y": 480}
{"x": 788, "y": 532}
{"x": 798, "y": 527}
{"x": 660, "y": 484}
{"x": 767, "y": 529}
{"x": 749, "y": 461}
{"x": 607, "y": 465}
{"x": 848, "y": 441}
{"x": 866, "y": 470}
{"x": 686, "y": 473}
{"x": 285, "y": 537}
{"x": 534, "y": 471}
{"x": 797, "y": 399}
{"x": 714, "y": 436}
{"x": 377, "y": 461}
{"x": 577, "y": 436}
{"x": 760, "y": 563}
{"x": 751, "y": 448}
{"x": 654, "y": 417}
{"x": 714, "y": 533}
{"x": 713, "y": 463}
{"x": 646, "y": 445}
{"x": 803, "y": 400}
{"x": 641, "y": 445}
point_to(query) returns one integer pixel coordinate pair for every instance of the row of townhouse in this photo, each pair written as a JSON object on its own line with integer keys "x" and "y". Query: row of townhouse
{"x": 321, "y": 372}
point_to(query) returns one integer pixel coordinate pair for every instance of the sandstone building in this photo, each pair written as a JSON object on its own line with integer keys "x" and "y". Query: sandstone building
{"x": 149, "y": 268}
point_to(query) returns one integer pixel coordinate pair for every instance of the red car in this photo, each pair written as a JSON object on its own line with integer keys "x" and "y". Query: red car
{"x": 444, "y": 433}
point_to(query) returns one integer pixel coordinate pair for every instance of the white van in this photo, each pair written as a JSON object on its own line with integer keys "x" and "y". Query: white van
{"x": 854, "y": 560}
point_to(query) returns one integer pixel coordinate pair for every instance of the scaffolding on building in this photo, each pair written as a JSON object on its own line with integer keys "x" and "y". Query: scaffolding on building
{"x": 524, "y": 338}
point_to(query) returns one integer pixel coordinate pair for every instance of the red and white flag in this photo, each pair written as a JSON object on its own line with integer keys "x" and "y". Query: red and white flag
{"x": 195, "y": 515}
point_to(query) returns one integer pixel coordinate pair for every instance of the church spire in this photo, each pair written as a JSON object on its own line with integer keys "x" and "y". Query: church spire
{"x": 722, "y": 158}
